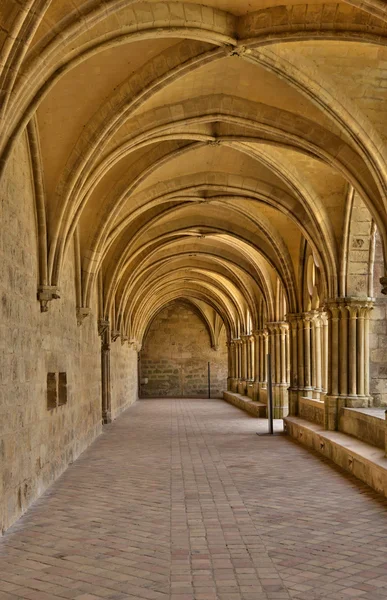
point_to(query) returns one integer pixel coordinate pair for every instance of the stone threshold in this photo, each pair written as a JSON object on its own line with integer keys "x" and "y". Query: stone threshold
{"x": 257, "y": 409}
{"x": 367, "y": 463}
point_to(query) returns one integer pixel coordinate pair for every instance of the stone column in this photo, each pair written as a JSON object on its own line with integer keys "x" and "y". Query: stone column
{"x": 257, "y": 363}
{"x": 348, "y": 358}
{"x": 104, "y": 332}
{"x": 248, "y": 359}
{"x": 230, "y": 366}
{"x": 252, "y": 358}
{"x": 278, "y": 332}
{"x": 237, "y": 363}
{"x": 243, "y": 381}
{"x": 294, "y": 327}
{"x": 307, "y": 318}
{"x": 325, "y": 352}
{"x": 317, "y": 353}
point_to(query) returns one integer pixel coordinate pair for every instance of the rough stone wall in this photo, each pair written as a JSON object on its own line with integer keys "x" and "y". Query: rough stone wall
{"x": 359, "y": 249}
{"x": 36, "y": 444}
{"x": 175, "y": 355}
{"x": 123, "y": 376}
{"x": 378, "y": 334}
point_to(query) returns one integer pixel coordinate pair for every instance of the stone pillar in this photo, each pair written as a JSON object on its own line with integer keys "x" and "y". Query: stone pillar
{"x": 248, "y": 359}
{"x": 257, "y": 363}
{"x": 104, "y": 332}
{"x": 348, "y": 356}
{"x": 317, "y": 324}
{"x": 237, "y": 356}
{"x": 278, "y": 332}
{"x": 325, "y": 352}
{"x": 252, "y": 358}
{"x": 230, "y": 358}
{"x": 294, "y": 328}
{"x": 243, "y": 380}
{"x": 308, "y": 388}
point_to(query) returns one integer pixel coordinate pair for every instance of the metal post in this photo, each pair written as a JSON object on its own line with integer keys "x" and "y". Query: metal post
{"x": 269, "y": 396}
{"x": 209, "y": 380}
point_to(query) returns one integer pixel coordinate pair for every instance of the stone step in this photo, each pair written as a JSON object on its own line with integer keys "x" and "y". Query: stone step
{"x": 367, "y": 463}
{"x": 257, "y": 409}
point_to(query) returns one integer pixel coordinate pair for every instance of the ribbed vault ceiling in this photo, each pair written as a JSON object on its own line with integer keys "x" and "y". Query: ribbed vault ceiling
{"x": 195, "y": 149}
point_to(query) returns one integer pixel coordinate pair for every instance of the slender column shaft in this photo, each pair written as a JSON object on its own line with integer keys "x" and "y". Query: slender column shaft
{"x": 300, "y": 334}
{"x": 313, "y": 350}
{"x": 325, "y": 354}
{"x": 361, "y": 353}
{"x": 238, "y": 359}
{"x": 262, "y": 357}
{"x": 244, "y": 359}
{"x": 294, "y": 351}
{"x": 283, "y": 344}
{"x": 252, "y": 359}
{"x": 318, "y": 352}
{"x": 367, "y": 353}
{"x": 352, "y": 352}
{"x": 334, "y": 346}
{"x": 257, "y": 364}
{"x": 343, "y": 351}
{"x": 266, "y": 352}
{"x": 307, "y": 353}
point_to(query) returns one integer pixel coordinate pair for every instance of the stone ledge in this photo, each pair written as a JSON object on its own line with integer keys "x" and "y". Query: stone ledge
{"x": 257, "y": 409}
{"x": 364, "y": 424}
{"x": 364, "y": 461}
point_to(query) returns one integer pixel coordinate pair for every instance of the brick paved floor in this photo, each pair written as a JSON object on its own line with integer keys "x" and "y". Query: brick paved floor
{"x": 180, "y": 500}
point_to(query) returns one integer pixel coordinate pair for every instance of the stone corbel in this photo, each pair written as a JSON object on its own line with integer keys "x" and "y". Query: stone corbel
{"x": 124, "y": 339}
{"x": 215, "y": 347}
{"x": 82, "y": 313}
{"x": 115, "y": 335}
{"x": 103, "y": 326}
{"x": 47, "y": 293}
{"x": 135, "y": 345}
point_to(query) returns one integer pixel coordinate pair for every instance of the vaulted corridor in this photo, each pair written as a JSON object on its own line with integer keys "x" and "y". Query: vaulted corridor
{"x": 180, "y": 500}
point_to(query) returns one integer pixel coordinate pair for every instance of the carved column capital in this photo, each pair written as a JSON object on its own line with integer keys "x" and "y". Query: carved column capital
{"x": 47, "y": 293}
{"x": 82, "y": 313}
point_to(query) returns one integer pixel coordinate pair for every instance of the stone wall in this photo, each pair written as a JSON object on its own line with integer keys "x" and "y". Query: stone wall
{"x": 175, "y": 355}
{"x": 123, "y": 376}
{"x": 378, "y": 334}
{"x": 37, "y": 444}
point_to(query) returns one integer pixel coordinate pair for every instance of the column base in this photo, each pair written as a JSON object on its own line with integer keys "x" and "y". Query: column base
{"x": 256, "y": 391}
{"x": 250, "y": 388}
{"x": 233, "y": 382}
{"x": 294, "y": 395}
{"x": 230, "y": 381}
{"x": 106, "y": 417}
{"x": 280, "y": 400}
{"x": 358, "y": 401}
{"x": 262, "y": 392}
{"x": 242, "y": 385}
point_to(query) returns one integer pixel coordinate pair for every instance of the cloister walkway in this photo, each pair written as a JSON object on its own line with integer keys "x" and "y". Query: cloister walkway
{"x": 180, "y": 500}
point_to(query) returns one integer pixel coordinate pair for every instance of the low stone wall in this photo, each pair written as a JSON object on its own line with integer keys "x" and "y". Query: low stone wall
{"x": 312, "y": 410}
{"x": 256, "y": 409}
{"x": 362, "y": 460}
{"x": 364, "y": 426}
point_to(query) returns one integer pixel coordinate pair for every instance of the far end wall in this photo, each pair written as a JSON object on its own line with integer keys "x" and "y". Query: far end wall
{"x": 175, "y": 356}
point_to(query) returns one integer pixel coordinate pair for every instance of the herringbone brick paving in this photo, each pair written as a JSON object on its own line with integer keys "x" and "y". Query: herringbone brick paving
{"x": 180, "y": 500}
